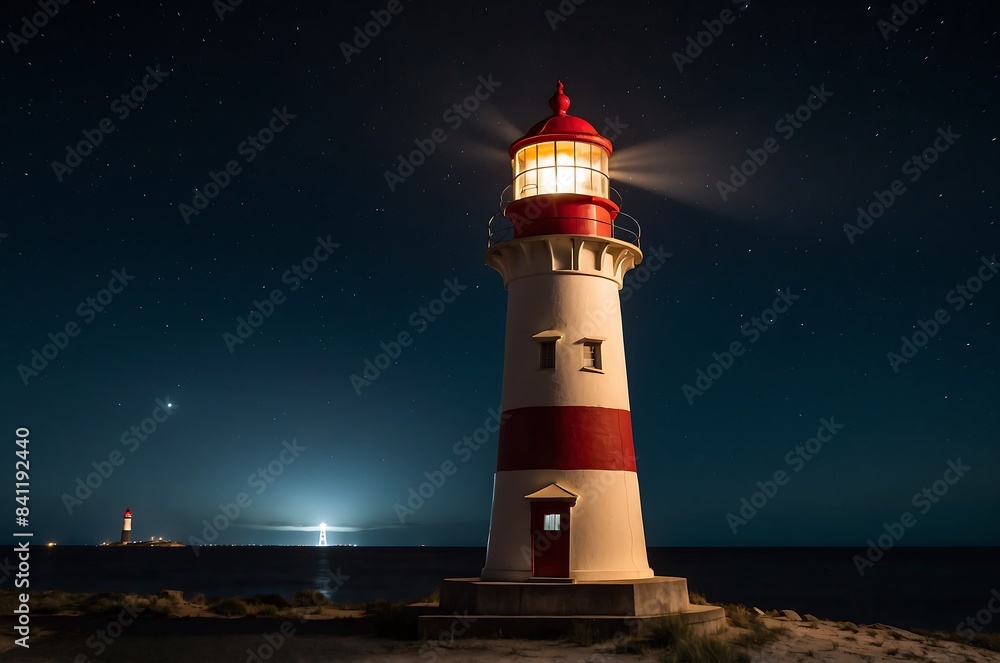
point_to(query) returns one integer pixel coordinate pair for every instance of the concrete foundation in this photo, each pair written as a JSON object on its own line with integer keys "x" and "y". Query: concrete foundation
{"x": 471, "y": 607}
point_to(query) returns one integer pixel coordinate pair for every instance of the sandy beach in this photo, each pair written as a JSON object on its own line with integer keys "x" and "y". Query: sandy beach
{"x": 169, "y": 628}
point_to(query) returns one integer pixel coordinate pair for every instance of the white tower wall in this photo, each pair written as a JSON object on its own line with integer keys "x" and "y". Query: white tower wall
{"x": 568, "y": 425}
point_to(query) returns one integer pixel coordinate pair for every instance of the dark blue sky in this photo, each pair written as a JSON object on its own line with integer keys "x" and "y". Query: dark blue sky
{"x": 312, "y": 199}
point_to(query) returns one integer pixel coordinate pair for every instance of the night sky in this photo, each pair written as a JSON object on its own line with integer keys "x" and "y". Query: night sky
{"x": 152, "y": 279}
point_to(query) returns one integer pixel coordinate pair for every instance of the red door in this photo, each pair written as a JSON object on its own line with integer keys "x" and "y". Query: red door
{"x": 550, "y": 539}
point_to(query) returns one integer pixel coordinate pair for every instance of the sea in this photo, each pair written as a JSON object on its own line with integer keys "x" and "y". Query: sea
{"x": 908, "y": 587}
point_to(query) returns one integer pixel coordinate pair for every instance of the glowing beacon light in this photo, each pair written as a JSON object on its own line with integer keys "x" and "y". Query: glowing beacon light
{"x": 562, "y": 155}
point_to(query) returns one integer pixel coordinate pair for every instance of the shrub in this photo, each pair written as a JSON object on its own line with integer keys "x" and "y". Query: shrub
{"x": 266, "y": 610}
{"x": 164, "y": 607}
{"x": 229, "y": 607}
{"x": 276, "y": 600}
{"x": 102, "y": 603}
{"x": 309, "y": 598}
{"x": 51, "y": 602}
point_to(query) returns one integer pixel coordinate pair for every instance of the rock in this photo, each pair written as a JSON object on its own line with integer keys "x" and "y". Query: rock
{"x": 758, "y": 611}
{"x": 172, "y": 594}
{"x": 810, "y": 618}
{"x": 791, "y": 615}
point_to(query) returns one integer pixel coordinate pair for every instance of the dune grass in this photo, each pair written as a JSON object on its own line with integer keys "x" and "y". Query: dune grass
{"x": 740, "y": 616}
{"x": 585, "y": 633}
{"x": 757, "y": 633}
{"x": 680, "y": 644}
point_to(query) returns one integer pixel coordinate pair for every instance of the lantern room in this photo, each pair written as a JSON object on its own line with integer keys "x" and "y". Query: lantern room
{"x": 560, "y": 177}
{"x": 561, "y": 166}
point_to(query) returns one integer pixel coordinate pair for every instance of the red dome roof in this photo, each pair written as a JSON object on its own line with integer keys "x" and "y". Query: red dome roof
{"x": 560, "y": 126}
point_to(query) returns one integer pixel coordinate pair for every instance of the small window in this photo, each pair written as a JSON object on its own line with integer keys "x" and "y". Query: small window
{"x": 547, "y": 355}
{"x": 552, "y": 522}
{"x": 592, "y": 355}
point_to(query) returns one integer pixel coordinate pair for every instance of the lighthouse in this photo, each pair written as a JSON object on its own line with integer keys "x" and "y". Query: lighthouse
{"x": 322, "y": 534}
{"x": 566, "y": 544}
{"x": 566, "y": 493}
{"x": 127, "y": 527}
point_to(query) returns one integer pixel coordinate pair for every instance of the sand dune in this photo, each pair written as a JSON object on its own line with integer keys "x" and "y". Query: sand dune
{"x": 193, "y": 634}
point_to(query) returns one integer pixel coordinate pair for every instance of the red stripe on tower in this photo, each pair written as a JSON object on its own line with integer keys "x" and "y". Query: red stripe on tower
{"x": 566, "y": 438}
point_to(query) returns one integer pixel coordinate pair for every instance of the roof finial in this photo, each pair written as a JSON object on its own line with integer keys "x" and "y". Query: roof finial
{"x": 559, "y": 103}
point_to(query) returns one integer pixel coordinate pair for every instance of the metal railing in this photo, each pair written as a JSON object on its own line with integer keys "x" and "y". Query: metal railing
{"x": 504, "y": 229}
{"x": 501, "y": 229}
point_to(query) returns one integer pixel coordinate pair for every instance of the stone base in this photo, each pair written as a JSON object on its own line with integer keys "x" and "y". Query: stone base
{"x": 473, "y": 607}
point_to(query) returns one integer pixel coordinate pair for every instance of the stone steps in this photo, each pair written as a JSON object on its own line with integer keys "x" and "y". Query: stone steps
{"x": 470, "y": 606}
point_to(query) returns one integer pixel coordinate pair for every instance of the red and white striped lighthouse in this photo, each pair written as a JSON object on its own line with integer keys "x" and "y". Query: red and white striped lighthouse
{"x": 566, "y": 493}
{"x": 127, "y": 527}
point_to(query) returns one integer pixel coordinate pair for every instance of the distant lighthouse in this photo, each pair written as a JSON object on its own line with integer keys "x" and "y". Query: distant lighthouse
{"x": 566, "y": 493}
{"x": 127, "y": 527}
